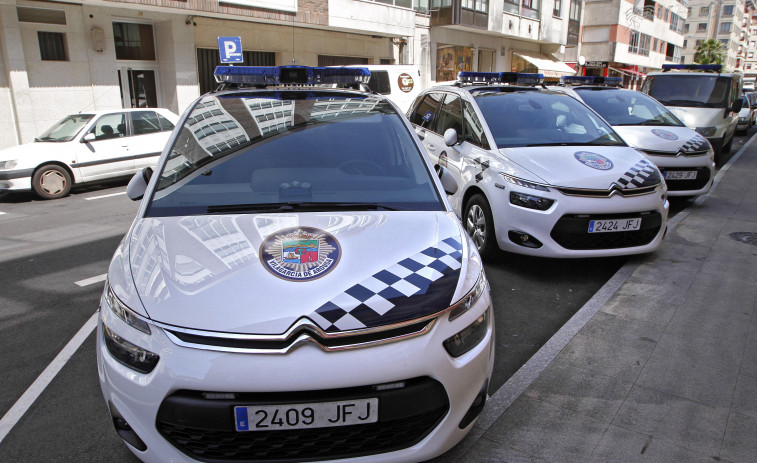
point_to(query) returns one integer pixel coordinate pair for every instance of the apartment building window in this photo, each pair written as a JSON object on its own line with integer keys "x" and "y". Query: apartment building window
{"x": 702, "y": 27}
{"x": 557, "y": 9}
{"x": 704, "y": 11}
{"x": 750, "y": 55}
{"x": 686, "y": 27}
{"x": 724, "y": 42}
{"x": 639, "y": 43}
{"x": 134, "y": 41}
{"x": 697, "y": 43}
{"x": 728, "y": 10}
{"x": 725, "y": 28}
{"x": 512, "y": 6}
{"x": 749, "y": 66}
{"x": 685, "y": 42}
{"x": 477, "y": 5}
{"x": 52, "y": 46}
{"x": 654, "y": 43}
{"x": 530, "y": 9}
{"x": 662, "y": 46}
{"x": 404, "y": 3}
{"x": 688, "y": 15}
{"x": 673, "y": 21}
{"x": 649, "y": 9}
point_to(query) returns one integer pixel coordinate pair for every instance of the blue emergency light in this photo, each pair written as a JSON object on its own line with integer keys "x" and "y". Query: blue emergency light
{"x": 290, "y": 75}
{"x": 692, "y": 67}
{"x": 500, "y": 78}
{"x": 592, "y": 80}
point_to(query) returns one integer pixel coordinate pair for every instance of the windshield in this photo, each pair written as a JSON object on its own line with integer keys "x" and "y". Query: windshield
{"x": 627, "y": 107}
{"x": 541, "y": 119}
{"x": 66, "y": 129}
{"x": 698, "y": 91}
{"x": 252, "y": 152}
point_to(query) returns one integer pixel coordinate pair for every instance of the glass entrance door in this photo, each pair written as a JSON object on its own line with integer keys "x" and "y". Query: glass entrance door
{"x": 138, "y": 87}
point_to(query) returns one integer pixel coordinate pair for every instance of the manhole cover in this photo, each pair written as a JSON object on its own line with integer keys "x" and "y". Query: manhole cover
{"x": 744, "y": 237}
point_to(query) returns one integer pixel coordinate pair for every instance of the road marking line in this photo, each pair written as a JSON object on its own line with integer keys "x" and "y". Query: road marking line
{"x": 105, "y": 196}
{"x": 91, "y": 281}
{"x": 1, "y": 213}
{"x": 23, "y": 404}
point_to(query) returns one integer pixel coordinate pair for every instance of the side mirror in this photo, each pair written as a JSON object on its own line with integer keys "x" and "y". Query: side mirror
{"x": 88, "y": 137}
{"x": 737, "y": 105}
{"x": 754, "y": 106}
{"x": 137, "y": 186}
{"x": 450, "y": 137}
{"x": 448, "y": 180}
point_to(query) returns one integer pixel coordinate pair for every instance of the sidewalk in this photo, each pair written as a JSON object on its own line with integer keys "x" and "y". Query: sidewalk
{"x": 660, "y": 366}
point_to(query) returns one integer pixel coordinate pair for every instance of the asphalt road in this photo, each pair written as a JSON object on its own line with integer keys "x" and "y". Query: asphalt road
{"x": 47, "y": 246}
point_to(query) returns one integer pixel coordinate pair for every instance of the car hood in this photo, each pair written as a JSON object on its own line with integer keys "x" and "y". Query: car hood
{"x": 227, "y": 273}
{"x": 589, "y": 167}
{"x": 663, "y": 139}
{"x": 697, "y": 117}
{"x": 28, "y": 150}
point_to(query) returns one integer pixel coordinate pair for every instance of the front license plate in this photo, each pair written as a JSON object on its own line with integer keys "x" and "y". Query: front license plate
{"x": 614, "y": 225}
{"x": 680, "y": 175}
{"x": 300, "y": 416}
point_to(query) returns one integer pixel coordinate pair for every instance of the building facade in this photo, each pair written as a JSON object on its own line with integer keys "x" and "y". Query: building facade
{"x": 58, "y": 58}
{"x": 627, "y": 39}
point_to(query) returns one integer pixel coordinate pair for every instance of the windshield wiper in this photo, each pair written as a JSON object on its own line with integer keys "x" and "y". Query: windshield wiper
{"x": 689, "y": 103}
{"x": 44, "y": 139}
{"x": 305, "y": 206}
{"x": 559, "y": 143}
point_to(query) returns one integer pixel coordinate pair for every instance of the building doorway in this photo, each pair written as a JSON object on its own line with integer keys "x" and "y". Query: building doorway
{"x": 138, "y": 87}
{"x": 137, "y": 67}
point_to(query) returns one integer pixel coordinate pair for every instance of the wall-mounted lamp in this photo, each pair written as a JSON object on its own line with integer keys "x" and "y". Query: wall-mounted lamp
{"x": 98, "y": 39}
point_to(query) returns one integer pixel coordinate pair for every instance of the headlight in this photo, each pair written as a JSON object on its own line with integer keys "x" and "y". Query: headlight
{"x": 8, "y": 164}
{"x": 706, "y": 131}
{"x": 123, "y": 312}
{"x": 127, "y": 353}
{"x": 469, "y": 299}
{"x": 468, "y": 338}
{"x": 524, "y": 183}
{"x": 531, "y": 202}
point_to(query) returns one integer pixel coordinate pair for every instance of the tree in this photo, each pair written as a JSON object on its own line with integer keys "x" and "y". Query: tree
{"x": 711, "y": 51}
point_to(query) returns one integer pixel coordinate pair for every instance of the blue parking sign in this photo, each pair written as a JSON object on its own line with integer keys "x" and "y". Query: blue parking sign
{"x": 230, "y": 49}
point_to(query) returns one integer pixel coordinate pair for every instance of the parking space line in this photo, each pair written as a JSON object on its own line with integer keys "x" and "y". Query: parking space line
{"x": 105, "y": 196}
{"x": 23, "y": 404}
{"x": 1, "y": 213}
{"x": 91, "y": 281}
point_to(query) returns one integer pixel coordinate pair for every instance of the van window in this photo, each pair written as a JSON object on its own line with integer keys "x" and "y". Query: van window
{"x": 379, "y": 82}
{"x": 698, "y": 91}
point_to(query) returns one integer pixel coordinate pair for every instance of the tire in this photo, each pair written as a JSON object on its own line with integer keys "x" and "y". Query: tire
{"x": 479, "y": 224}
{"x": 51, "y": 182}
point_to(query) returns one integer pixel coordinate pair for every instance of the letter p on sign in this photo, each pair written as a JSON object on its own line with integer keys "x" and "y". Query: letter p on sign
{"x": 230, "y": 49}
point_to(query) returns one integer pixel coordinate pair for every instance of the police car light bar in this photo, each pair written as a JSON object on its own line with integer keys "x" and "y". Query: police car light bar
{"x": 592, "y": 80}
{"x": 290, "y": 75}
{"x": 500, "y": 78}
{"x": 693, "y": 67}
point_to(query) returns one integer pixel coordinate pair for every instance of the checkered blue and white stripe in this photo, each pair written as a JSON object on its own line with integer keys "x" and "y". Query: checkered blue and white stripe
{"x": 391, "y": 295}
{"x": 697, "y": 143}
{"x": 642, "y": 174}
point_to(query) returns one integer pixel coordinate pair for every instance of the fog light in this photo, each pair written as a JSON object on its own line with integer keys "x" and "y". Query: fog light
{"x": 475, "y": 408}
{"x": 468, "y": 338}
{"x": 128, "y": 354}
{"x": 530, "y": 201}
{"x": 124, "y": 430}
{"x": 523, "y": 239}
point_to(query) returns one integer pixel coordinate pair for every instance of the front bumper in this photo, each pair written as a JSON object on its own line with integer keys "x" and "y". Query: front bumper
{"x": 16, "y": 180}
{"x": 548, "y": 227}
{"x": 147, "y": 402}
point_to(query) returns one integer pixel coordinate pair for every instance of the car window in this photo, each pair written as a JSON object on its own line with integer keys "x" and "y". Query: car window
{"x": 144, "y": 122}
{"x": 706, "y": 91}
{"x": 537, "y": 119}
{"x": 110, "y": 126}
{"x": 473, "y": 130}
{"x": 325, "y": 148}
{"x": 451, "y": 115}
{"x": 65, "y": 129}
{"x": 165, "y": 124}
{"x": 379, "y": 82}
{"x": 627, "y": 107}
{"x": 427, "y": 111}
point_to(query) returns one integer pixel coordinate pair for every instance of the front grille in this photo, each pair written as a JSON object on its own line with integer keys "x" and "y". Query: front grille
{"x": 572, "y": 231}
{"x": 606, "y": 193}
{"x": 703, "y": 176}
{"x": 677, "y": 153}
{"x": 204, "y": 429}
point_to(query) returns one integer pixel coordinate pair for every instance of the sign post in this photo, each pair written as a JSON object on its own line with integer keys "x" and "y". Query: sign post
{"x": 230, "y": 50}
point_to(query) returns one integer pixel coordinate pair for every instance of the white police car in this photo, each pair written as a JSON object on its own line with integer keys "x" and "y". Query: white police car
{"x": 685, "y": 158}
{"x": 539, "y": 173}
{"x": 295, "y": 286}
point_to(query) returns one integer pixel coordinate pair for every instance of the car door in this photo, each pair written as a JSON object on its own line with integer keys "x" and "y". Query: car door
{"x": 424, "y": 118}
{"x": 149, "y": 134}
{"x": 102, "y": 151}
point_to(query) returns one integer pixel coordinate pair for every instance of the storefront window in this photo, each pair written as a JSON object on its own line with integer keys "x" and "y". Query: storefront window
{"x": 451, "y": 59}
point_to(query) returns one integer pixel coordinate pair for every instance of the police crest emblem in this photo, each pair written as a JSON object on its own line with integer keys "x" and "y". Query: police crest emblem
{"x": 300, "y": 253}
{"x": 593, "y": 160}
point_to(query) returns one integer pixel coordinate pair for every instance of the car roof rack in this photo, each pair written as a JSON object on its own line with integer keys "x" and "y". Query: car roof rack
{"x": 693, "y": 67}
{"x": 295, "y": 76}
{"x": 488, "y": 78}
{"x": 592, "y": 80}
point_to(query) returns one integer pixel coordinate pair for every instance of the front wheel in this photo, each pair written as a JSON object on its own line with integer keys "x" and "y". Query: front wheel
{"x": 51, "y": 182}
{"x": 479, "y": 224}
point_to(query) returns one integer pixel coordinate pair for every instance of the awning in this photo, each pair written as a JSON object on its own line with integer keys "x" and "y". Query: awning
{"x": 547, "y": 65}
{"x": 630, "y": 72}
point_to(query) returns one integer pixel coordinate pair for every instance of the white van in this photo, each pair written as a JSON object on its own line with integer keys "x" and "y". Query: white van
{"x": 401, "y": 83}
{"x": 702, "y": 97}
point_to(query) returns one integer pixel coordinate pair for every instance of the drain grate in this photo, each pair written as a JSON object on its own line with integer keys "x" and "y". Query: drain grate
{"x": 745, "y": 237}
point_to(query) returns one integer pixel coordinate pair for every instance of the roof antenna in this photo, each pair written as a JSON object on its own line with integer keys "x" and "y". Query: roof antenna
{"x": 293, "y": 16}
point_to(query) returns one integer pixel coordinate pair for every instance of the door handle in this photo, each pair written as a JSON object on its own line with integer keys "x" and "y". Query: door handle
{"x": 431, "y": 147}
